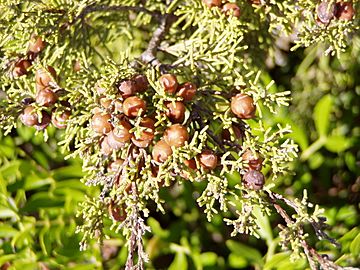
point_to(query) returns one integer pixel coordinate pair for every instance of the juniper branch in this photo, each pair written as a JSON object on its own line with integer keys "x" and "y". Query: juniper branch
{"x": 149, "y": 56}
{"x": 312, "y": 255}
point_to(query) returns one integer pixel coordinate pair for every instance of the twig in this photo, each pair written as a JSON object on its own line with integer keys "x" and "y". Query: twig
{"x": 312, "y": 255}
{"x": 149, "y": 56}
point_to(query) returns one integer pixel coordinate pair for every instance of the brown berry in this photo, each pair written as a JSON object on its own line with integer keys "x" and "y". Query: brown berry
{"x": 231, "y": 9}
{"x": 105, "y": 148}
{"x": 5, "y": 266}
{"x": 20, "y": 68}
{"x": 46, "y": 97}
{"x": 100, "y": 90}
{"x": 77, "y": 66}
{"x": 345, "y": 11}
{"x": 100, "y": 123}
{"x": 161, "y": 151}
{"x": 36, "y": 45}
{"x": 121, "y": 133}
{"x": 212, "y": 3}
{"x": 254, "y": 160}
{"x": 176, "y": 111}
{"x": 29, "y": 116}
{"x": 236, "y": 132}
{"x": 45, "y": 77}
{"x": 113, "y": 142}
{"x": 176, "y": 135}
{"x": 117, "y": 213}
{"x": 187, "y": 91}
{"x": 141, "y": 82}
{"x": 255, "y": 2}
{"x": 169, "y": 82}
{"x": 149, "y": 129}
{"x": 254, "y": 180}
{"x": 208, "y": 159}
{"x": 154, "y": 170}
{"x": 44, "y": 122}
{"x": 140, "y": 143}
{"x": 115, "y": 165}
{"x": 127, "y": 88}
{"x": 326, "y": 11}
{"x": 191, "y": 164}
{"x": 243, "y": 106}
{"x": 105, "y": 102}
{"x": 134, "y": 106}
{"x": 59, "y": 119}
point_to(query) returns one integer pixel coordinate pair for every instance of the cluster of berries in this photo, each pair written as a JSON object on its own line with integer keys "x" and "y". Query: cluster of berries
{"x": 21, "y": 66}
{"x": 111, "y": 119}
{"x": 328, "y": 10}
{"x": 45, "y": 98}
{"x": 242, "y": 105}
{"x": 228, "y": 8}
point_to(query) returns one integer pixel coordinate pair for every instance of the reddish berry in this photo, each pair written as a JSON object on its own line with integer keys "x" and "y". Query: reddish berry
{"x": 254, "y": 180}
{"x": 105, "y": 148}
{"x": 100, "y": 123}
{"x": 96, "y": 110}
{"x": 36, "y": 45}
{"x": 77, "y": 66}
{"x": 208, "y": 159}
{"x": 236, "y": 132}
{"x": 45, "y": 77}
{"x": 59, "y": 120}
{"x": 20, "y": 68}
{"x": 29, "y": 116}
{"x": 115, "y": 165}
{"x": 191, "y": 164}
{"x": 134, "y": 106}
{"x": 345, "y": 11}
{"x": 176, "y": 135}
{"x": 326, "y": 11}
{"x": 148, "y": 133}
{"x": 161, "y": 151}
{"x": 141, "y": 82}
{"x": 187, "y": 91}
{"x": 212, "y": 3}
{"x": 105, "y": 102}
{"x": 255, "y": 2}
{"x": 46, "y": 97}
{"x": 231, "y": 9}
{"x": 100, "y": 90}
{"x": 113, "y": 142}
{"x": 169, "y": 82}
{"x": 176, "y": 111}
{"x": 118, "y": 106}
{"x": 44, "y": 122}
{"x": 117, "y": 213}
{"x": 243, "y": 106}
{"x": 154, "y": 170}
{"x": 146, "y": 136}
{"x": 121, "y": 133}
{"x": 254, "y": 160}
{"x": 140, "y": 143}
{"x": 127, "y": 88}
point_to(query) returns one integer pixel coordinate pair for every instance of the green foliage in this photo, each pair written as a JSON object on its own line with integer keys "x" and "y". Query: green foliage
{"x": 223, "y": 55}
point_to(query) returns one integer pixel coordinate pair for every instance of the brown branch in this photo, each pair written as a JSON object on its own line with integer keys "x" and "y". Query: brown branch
{"x": 312, "y": 255}
{"x": 149, "y": 56}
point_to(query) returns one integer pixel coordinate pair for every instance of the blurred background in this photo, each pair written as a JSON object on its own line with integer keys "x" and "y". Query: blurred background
{"x": 40, "y": 191}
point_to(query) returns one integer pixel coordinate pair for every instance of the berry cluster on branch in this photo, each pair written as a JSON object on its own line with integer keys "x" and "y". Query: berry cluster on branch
{"x": 189, "y": 108}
